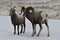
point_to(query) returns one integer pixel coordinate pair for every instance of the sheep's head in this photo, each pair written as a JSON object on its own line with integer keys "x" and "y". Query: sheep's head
{"x": 12, "y": 11}
{"x": 22, "y": 10}
{"x": 29, "y": 11}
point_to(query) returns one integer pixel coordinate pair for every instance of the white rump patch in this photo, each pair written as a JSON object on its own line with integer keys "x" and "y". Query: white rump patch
{"x": 43, "y": 14}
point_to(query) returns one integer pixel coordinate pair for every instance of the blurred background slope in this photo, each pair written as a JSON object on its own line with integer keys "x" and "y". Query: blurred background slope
{"x": 51, "y": 7}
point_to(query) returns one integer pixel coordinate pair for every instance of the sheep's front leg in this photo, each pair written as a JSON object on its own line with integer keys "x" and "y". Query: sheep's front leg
{"x": 40, "y": 29}
{"x": 34, "y": 29}
{"x": 14, "y": 29}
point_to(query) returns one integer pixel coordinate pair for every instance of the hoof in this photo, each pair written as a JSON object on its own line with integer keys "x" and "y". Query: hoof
{"x": 20, "y": 32}
{"x": 23, "y": 32}
{"x": 14, "y": 33}
{"x": 32, "y": 35}
{"x": 37, "y": 35}
{"x": 48, "y": 35}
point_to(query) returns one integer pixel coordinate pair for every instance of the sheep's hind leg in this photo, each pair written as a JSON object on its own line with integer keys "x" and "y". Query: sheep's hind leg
{"x": 18, "y": 29}
{"x": 47, "y": 27}
{"x": 24, "y": 28}
{"x": 21, "y": 28}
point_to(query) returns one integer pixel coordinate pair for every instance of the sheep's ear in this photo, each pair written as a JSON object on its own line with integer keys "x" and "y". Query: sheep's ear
{"x": 14, "y": 7}
{"x": 41, "y": 11}
{"x": 9, "y": 8}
